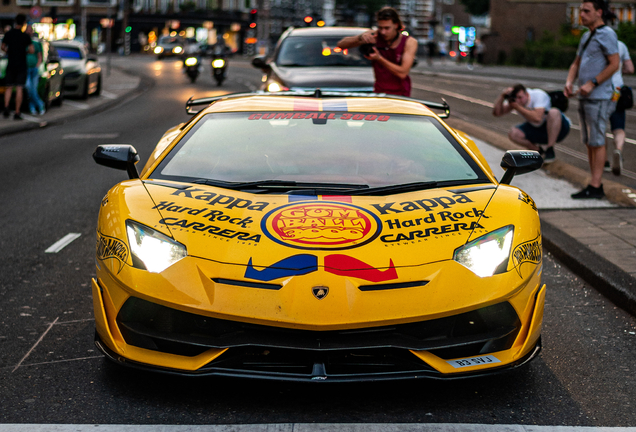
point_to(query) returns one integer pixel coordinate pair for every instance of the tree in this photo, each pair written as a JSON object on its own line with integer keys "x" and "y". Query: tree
{"x": 476, "y": 7}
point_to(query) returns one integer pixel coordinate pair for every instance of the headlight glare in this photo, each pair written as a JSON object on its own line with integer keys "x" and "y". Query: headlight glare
{"x": 487, "y": 255}
{"x": 218, "y": 63}
{"x": 158, "y": 50}
{"x": 191, "y": 61}
{"x": 156, "y": 251}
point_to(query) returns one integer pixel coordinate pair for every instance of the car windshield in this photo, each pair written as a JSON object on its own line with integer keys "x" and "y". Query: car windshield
{"x": 365, "y": 150}
{"x": 69, "y": 53}
{"x": 169, "y": 40}
{"x": 317, "y": 51}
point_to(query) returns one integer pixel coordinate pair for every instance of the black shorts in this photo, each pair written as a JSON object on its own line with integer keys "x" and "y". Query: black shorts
{"x": 15, "y": 77}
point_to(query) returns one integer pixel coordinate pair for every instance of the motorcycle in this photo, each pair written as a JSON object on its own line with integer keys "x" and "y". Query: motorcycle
{"x": 191, "y": 65}
{"x": 219, "y": 68}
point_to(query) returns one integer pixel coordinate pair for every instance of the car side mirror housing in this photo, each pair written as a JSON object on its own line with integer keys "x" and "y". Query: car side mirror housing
{"x": 260, "y": 63}
{"x": 519, "y": 162}
{"x": 118, "y": 156}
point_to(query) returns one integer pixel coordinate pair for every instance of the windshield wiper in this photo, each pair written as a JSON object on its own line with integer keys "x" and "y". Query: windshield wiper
{"x": 399, "y": 188}
{"x": 282, "y": 184}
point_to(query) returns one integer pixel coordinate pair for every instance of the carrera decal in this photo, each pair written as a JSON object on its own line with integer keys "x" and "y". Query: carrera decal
{"x": 111, "y": 247}
{"x": 343, "y": 265}
{"x": 431, "y": 231}
{"x": 211, "y": 215}
{"x": 214, "y": 199}
{"x": 211, "y": 229}
{"x": 473, "y": 361}
{"x": 428, "y": 204}
{"x": 293, "y": 266}
{"x": 526, "y": 199}
{"x": 321, "y": 225}
{"x": 527, "y": 252}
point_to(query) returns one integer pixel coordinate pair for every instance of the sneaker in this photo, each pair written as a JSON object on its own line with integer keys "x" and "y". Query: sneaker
{"x": 17, "y": 116}
{"x": 590, "y": 192}
{"x": 7, "y": 113}
{"x": 617, "y": 162}
{"x": 607, "y": 167}
{"x": 42, "y": 112}
{"x": 549, "y": 155}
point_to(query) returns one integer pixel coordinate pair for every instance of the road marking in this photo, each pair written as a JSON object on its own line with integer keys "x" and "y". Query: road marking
{"x": 307, "y": 427}
{"x": 91, "y": 136}
{"x": 78, "y": 105}
{"x": 108, "y": 95}
{"x": 36, "y": 344}
{"x": 61, "y": 361}
{"x": 62, "y": 243}
{"x": 488, "y": 104}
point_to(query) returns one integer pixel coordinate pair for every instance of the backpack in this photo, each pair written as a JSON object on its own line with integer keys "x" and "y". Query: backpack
{"x": 558, "y": 100}
{"x": 626, "y": 101}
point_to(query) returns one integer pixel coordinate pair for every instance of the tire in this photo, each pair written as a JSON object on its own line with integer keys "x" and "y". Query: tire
{"x": 84, "y": 94}
{"x": 98, "y": 89}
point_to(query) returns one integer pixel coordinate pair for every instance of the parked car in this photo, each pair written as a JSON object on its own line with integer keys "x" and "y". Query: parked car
{"x": 306, "y": 58}
{"x": 82, "y": 71}
{"x": 315, "y": 237}
{"x": 51, "y": 85}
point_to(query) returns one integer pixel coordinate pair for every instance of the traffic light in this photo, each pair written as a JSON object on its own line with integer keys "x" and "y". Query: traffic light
{"x": 253, "y": 18}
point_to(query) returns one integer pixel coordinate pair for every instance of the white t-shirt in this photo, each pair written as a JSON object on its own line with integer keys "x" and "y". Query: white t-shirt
{"x": 623, "y": 53}
{"x": 538, "y": 99}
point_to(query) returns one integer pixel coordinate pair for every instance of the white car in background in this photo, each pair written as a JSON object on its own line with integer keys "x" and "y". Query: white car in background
{"x": 82, "y": 72}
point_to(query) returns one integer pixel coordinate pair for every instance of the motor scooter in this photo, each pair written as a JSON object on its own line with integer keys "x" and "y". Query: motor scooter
{"x": 219, "y": 68}
{"x": 191, "y": 65}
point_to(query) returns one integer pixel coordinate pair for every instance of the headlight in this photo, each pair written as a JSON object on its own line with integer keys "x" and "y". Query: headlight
{"x": 158, "y": 50}
{"x": 154, "y": 251}
{"x": 488, "y": 255}
{"x": 191, "y": 61}
{"x": 218, "y": 63}
{"x": 177, "y": 50}
{"x": 275, "y": 87}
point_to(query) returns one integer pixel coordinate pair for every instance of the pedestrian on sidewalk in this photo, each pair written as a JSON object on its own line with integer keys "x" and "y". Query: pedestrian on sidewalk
{"x": 617, "y": 119}
{"x": 545, "y": 125}
{"x": 34, "y": 60}
{"x": 16, "y": 44}
{"x": 391, "y": 52}
{"x": 596, "y": 61}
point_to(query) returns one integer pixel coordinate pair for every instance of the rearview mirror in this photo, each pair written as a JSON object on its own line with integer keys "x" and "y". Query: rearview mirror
{"x": 118, "y": 156}
{"x": 519, "y": 162}
{"x": 259, "y": 62}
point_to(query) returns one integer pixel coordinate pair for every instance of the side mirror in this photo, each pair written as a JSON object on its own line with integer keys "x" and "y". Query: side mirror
{"x": 118, "y": 156}
{"x": 519, "y": 162}
{"x": 259, "y": 62}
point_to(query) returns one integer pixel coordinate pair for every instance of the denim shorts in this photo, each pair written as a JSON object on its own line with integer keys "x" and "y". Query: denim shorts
{"x": 617, "y": 120}
{"x": 594, "y": 115}
{"x": 539, "y": 135}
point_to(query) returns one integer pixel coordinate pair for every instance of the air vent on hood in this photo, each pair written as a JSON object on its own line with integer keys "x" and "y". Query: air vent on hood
{"x": 247, "y": 284}
{"x": 392, "y": 286}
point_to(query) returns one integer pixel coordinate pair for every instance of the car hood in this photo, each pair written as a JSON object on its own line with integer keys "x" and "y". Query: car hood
{"x": 354, "y": 78}
{"x": 73, "y": 65}
{"x": 274, "y": 233}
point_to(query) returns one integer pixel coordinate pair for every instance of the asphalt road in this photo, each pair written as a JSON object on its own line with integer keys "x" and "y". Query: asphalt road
{"x": 50, "y": 371}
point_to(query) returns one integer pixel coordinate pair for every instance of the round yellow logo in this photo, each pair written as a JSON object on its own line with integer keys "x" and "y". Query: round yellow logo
{"x": 321, "y": 225}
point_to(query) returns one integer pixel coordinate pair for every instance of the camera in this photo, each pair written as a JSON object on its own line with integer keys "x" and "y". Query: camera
{"x": 511, "y": 97}
{"x": 366, "y": 49}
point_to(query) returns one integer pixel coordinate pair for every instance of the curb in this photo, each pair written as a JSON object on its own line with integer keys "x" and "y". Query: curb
{"x": 145, "y": 84}
{"x": 607, "y": 278}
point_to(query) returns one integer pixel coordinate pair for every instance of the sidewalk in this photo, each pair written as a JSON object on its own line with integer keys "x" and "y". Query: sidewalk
{"x": 599, "y": 244}
{"x": 117, "y": 87}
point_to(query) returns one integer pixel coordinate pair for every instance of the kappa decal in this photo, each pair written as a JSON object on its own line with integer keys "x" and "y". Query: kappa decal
{"x": 423, "y": 204}
{"x": 214, "y": 199}
{"x": 111, "y": 247}
{"x": 527, "y": 252}
{"x": 322, "y": 225}
{"x": 293, "y": 266}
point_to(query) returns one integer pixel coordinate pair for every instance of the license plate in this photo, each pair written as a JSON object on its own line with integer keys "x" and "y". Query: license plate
{"x": 473, "y": 361}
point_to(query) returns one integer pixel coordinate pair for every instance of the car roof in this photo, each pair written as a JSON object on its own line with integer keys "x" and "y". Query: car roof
{"x": 327, "y": 31}
{"x": 266, "y": 103}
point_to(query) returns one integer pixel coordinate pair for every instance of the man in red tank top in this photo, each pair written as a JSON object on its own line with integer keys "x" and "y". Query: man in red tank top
{"x": 392, "y": 53}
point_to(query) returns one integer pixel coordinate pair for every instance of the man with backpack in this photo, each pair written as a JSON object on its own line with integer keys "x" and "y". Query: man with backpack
{"x": 545, "y": 125}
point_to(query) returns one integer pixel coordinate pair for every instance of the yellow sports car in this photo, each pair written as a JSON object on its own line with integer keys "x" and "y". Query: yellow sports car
{"x": 317, "y": 236}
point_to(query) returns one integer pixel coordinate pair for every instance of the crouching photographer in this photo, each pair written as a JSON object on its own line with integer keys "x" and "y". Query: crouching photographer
{"x": 545, "y": 125}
